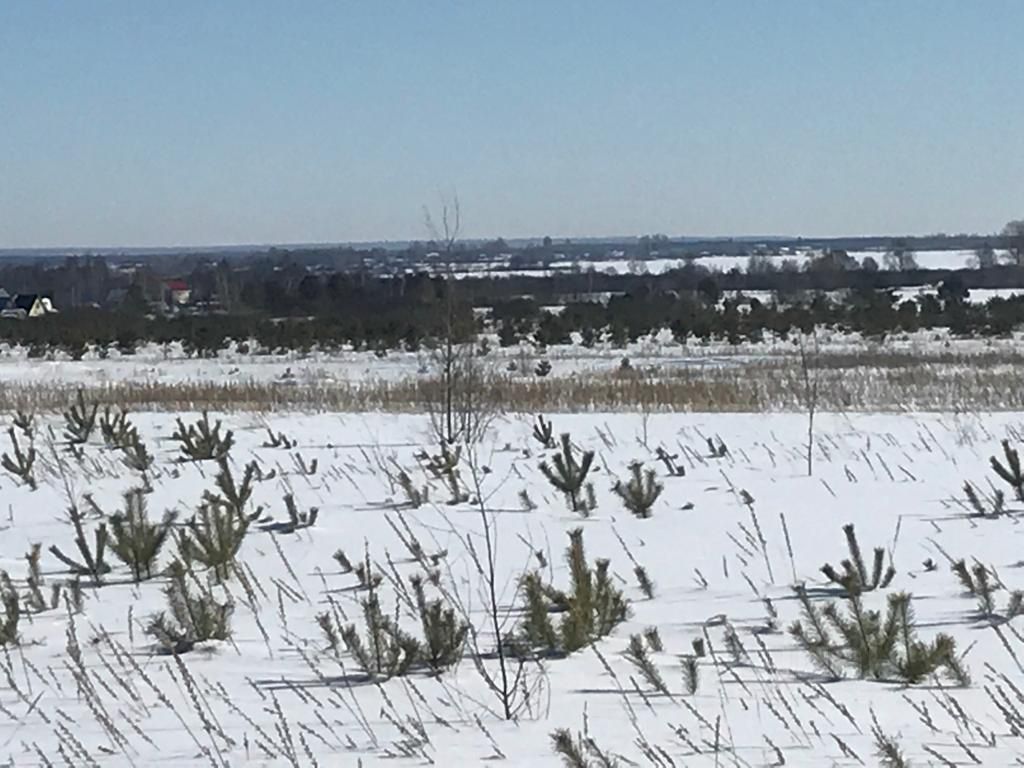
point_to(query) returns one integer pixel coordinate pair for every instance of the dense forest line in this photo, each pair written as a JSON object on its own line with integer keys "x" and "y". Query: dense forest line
{"x": 382, "y": 318}
{"x": 279, "y": 286}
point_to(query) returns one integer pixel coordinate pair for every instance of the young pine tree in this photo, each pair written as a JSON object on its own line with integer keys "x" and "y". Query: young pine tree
{"x": 388, "y": 651}
{"x": 21, "y": 463}
{"x": 202, "y": 441}
{"x": 568, "y": 474}
{"x": 134, "y": 538}
{"x": 193, "y": 617}
{"x": 1010, "y": 472}
{"x": 640, "y": 492}
{"x": 93, "y": 560}
{"x": 855, "y": 577}
{"x": 214, "y": 538}
{"x": 80, "y": 420}
{"x": 443, "y": 632}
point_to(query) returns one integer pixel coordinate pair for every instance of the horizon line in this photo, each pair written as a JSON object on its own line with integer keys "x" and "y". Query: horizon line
{"x": 357, "y": 244}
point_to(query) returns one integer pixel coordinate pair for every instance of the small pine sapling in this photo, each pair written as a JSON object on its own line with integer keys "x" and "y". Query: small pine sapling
{"x": 203, "y": 442}
{"x": 734, "y": 645}
{"x": 134, "y": 538}
{"x": 235, "y": 496}
{"x": 20, "y": 465}
{"x": 527, "y": 504}
{"x": 977, "y": 582}
{"x": 444, "y": 634}
{"x": 24, "y": 421}
{"x": 569, "y": 475}
{"x": 445, "y": 466}
{"x": 644, "y": 581}
{"x": 368, "y": 578}
{"x": 771, "y": 623}
{"x": 94, "y": 562}
{"x": 194, "y": 618}
{"x": 983, "y": 505}
{"x": 640, "y": 492}
{"x": 388, "y": 650}
{"x": 590, "y": 609}
{"x": 572, "y": 750}
{"x": 691, "y": 674}
{"x": 80, "y": 420}
{"x": 581, "y": 751}
{"x": 855, "y": 578}
{"x": 595, "y": 605}
{"x": 872, "y": 646}
{"x": 325, "y": 621}
{"x": 669, "y": 460}
{"x": 543, "y": 433}
{"x": 1010, "y": 472}
{"x": 887, "y": 748}
{"x": 415, "y": 497}
{"x": 296, "y": 520}
{"x": 638, "y": 656}
{"x": 34, "y": 600}
{"x": 536, "y": 631}
{"x": 719, "y": 450}
{"x": 277, "y": 440}
{"x": 214, "y": 537}
{"x": 653, "y": 639}
{"x": 135, "y": 455}
{"x": 116, "y": 430}
{"x": 342, "y": 560}
{"x": 12, "y": 611}
{"x": 302, "y": 468}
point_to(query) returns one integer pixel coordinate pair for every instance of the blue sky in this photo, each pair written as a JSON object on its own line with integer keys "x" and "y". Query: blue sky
{"x": 146, "y": 123}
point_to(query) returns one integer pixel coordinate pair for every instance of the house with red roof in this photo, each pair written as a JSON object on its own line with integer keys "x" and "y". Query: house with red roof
{"x": 177, "y": 293}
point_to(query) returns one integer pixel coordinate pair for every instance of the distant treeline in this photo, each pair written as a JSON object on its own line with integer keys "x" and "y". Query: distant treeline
{"x": 523, "y": 252}
{"x": 388, "y": 315}
{"x": 280, "y": 286}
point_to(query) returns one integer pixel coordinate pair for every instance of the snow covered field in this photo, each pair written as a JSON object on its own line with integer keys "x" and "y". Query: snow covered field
{"x": 724, "y": 546}
{"x": 949, "y": 259}
{"x": 155, "y": 364}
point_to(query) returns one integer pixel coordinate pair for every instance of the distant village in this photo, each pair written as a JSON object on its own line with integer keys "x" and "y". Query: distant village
{"x": 176, "y": 298}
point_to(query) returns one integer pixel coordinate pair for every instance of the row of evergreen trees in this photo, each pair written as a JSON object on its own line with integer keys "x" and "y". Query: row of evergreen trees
{"x": 619, "y": 321}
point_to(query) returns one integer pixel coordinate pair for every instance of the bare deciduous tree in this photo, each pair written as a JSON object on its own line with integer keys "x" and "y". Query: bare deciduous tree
{"x": 454, "y": 398}
{"x": 515, "y": 680}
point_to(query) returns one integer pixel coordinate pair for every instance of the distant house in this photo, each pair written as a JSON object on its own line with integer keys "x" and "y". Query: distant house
{"x": 177, "y": 293}
{"x": 25, "y": 305}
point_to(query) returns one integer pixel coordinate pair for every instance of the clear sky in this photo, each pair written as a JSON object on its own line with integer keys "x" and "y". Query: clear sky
{"x": 129, "y": 122}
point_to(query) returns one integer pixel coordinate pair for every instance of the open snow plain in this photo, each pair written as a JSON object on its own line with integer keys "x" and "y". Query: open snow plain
{"x": 737, "y": 526}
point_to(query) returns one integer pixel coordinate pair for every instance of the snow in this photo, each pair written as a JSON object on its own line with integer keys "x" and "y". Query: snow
{"x": 925, "y": 259}
{"x": 897, "y": 477}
